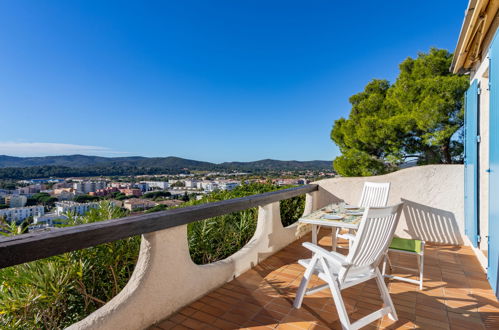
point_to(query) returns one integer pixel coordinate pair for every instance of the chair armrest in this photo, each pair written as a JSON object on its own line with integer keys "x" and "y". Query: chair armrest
{"x": 329, "y": 255}
{"x": 347, "y": 236}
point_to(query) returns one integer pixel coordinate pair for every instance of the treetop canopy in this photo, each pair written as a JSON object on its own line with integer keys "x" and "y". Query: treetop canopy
{"x": 420, "y": 116}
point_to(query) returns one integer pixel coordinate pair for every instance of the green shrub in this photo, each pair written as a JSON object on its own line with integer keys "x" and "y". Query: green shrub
{"x": 157, "y": 208}
{"x": 55, "y": 292}
{"x": 219, "y": 237}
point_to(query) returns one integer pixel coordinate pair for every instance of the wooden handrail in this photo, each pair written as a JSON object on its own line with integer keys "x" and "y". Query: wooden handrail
{"x": 18, "y": 249}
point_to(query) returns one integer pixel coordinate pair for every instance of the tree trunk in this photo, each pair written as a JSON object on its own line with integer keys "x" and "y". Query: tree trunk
{"x": 447, "y": 158}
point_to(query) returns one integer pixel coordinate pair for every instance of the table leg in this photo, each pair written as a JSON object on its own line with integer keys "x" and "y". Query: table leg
{"x": 314, "y": 234}
{"x": 334, "y": 238}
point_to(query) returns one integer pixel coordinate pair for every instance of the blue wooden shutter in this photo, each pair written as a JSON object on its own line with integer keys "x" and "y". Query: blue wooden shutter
{"x": 493, "y": 252}
{"x": 470, "y": 164}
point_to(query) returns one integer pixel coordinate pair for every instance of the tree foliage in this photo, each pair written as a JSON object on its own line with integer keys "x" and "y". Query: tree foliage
{"x": 41, "y": 198}
{"x": 157, "y": 208}
{"x": 179, "y": 184}
{"x": 86, "y": 198}
{"x": 156, "y": 194}
{"x": 118, "y": 196}
{"x": 420, "y": 116}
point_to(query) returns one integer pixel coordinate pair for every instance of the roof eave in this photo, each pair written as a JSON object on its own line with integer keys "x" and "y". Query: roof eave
{"x": 460, "y": 54}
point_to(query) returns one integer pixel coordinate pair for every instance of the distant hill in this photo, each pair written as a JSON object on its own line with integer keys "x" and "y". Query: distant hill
{"x": 272, "y": 164}
{"x": 170, "y": 163}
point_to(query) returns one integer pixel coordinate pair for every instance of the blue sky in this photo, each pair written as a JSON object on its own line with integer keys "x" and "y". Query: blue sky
{"x": 206, "y": 80}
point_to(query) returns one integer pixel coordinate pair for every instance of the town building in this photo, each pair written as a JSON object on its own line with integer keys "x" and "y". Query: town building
{"x": 64, "y": 194}
{"x": 49, "y": 220}
{"x": 163, "y": 185}
{"x": 208, "y": 186}
{"x": 119, "y": 185}
{"x": 290, "y": 182}
{"x": 131, "y": 192}
{"x": 19, "y": 214}
{"x": 31, "y": 189}
{"x": 63, "y": 184}
{"x": 85, "y": 187}
{"x": 143, "y": 186}
{"x": 191, "y": 184}
{"x": 227, "y": 185}
{"x": 104, "y": 192}
{"x": 135, "y": 204}
{"x": 16, "y": 200}
{"x": 74, "y": 207}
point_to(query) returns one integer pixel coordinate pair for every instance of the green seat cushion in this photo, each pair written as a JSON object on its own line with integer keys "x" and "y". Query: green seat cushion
{"x": 404, "y": 244}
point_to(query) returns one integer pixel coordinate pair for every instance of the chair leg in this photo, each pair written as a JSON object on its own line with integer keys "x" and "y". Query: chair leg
{"x": 307, "y": 275}
{"x": 350, "y": 244}
{"x": 421, "y": 266}
{"x": 389, "y": 262}
{"x": 383, "y": 272}
{"x": 386, "y": 261}
{"x": 385, "y": 295}
{"x": 340, "y": 304}
{"x": 314, "y": 233}
{"x": 334, "y": 238}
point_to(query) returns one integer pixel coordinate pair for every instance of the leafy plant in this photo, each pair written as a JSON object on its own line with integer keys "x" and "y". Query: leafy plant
{"x": 55, "y": 292}
{"x": 219, "y": 237}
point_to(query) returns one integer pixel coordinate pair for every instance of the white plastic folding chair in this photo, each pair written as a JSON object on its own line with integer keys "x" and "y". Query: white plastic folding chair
{"x": 406, "y": 246}
{"x": 374, "y": 194}
{"x": 361, "y": 264}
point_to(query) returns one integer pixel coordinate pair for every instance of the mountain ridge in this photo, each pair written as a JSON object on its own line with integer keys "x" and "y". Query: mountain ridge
{"x": 170, "y": 162}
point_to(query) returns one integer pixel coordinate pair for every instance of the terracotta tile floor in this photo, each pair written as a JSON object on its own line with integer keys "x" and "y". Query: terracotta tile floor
{"x": 456, "y": 296}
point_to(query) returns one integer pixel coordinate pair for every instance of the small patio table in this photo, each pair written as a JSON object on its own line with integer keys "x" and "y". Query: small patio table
{"x": 347, "y": 218}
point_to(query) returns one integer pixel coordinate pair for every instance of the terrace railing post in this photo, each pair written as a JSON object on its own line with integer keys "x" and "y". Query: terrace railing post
{"x": 311, "y": 202}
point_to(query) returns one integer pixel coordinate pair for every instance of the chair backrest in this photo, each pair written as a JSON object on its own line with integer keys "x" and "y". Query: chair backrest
{"x": 374, "y": 194}
{"x": 374, "y": 236}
